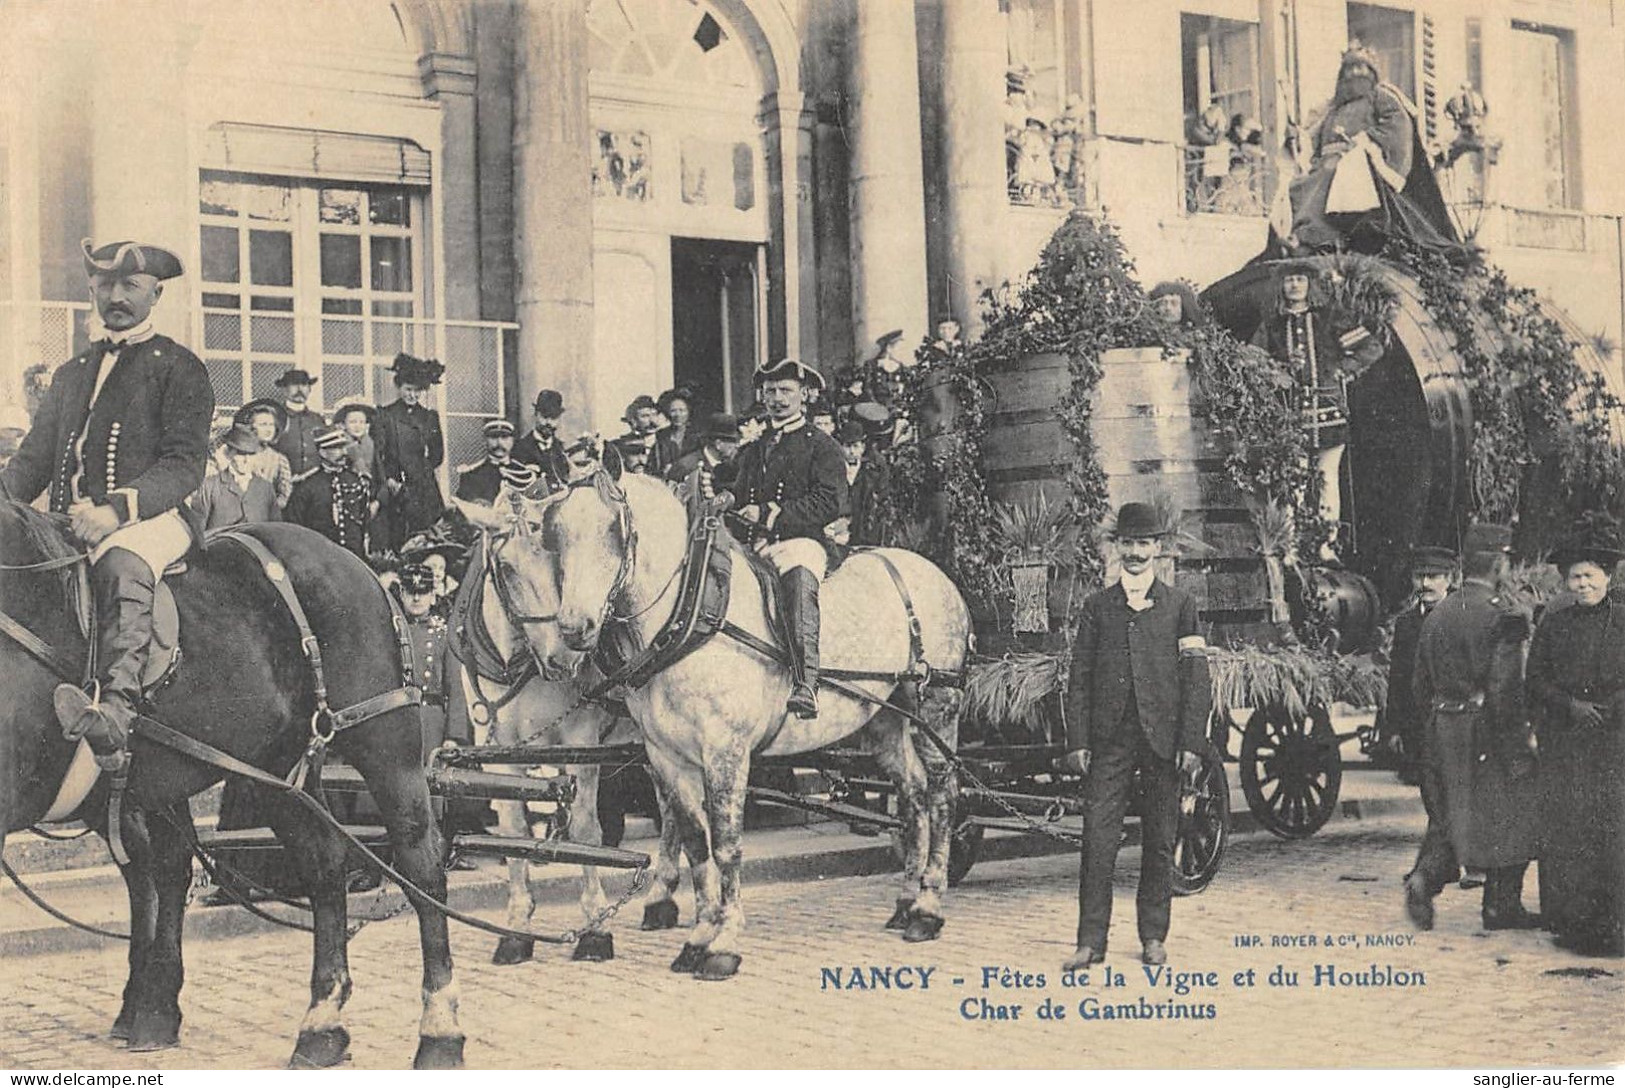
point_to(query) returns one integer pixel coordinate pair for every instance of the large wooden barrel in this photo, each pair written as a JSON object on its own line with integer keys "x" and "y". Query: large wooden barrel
{"x": 1405, "y": 479}
{"x": 1149, "y": 445}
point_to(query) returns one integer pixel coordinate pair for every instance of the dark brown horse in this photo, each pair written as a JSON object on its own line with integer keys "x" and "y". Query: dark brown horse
{"x": 244, "y": 687}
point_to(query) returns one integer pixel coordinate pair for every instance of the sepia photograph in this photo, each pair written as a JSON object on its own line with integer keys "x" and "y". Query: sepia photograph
{"x": 811, "y": 535}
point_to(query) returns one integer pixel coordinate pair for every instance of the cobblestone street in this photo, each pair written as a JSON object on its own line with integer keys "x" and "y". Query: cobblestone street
{"x": 1485, "y": 999}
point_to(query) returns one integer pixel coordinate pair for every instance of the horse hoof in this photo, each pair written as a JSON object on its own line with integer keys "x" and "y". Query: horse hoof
{"x": 439, "y": 1052}
{"x": 923, "y": 927}
{"x": 154, "y": 1031}
{"x": 661, "y": 915}
{"x": 689, "y": 958}
{"x": 320, "y": 1049}
{"x": 899, "y": 917}
{"x": 512, "y": 950}
{"x": 594, "y": 948}
{"x": 717, "y": 966}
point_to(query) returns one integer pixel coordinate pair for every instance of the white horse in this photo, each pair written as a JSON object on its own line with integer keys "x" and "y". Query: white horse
{"x": 538, "y": 705}
{"x": 614, "y": 553}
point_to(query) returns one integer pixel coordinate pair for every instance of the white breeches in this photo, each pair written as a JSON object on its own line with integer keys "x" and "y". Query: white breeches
{"x": 797, "y": 552}
{"x": 159, "y": 540}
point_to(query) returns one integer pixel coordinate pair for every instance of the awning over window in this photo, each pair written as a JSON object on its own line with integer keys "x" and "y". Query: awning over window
{"x": 299, "y": 152}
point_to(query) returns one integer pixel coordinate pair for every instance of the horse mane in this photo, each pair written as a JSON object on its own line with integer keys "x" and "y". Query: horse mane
{"x": 46, "y": 532}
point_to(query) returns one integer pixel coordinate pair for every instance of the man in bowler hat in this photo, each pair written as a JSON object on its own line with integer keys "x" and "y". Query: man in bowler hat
{"x": 541, "y": 446}
{"x": 1138, "y": 702}
{"x": 297, "y": 442}
{"x": 120, "y": 441}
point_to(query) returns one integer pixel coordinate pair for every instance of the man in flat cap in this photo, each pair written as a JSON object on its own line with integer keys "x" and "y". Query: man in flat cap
{"x": 540, "y": 446}
{"x": 120, "y": 441}
{"x": 1434, "y": 572}
{"x": 333, "y": 500}
{"x": 482, "y": 480}
{"x": 235, "y": 495}
{"x": 792, "y": 483}
{"x": 297, "y": 440}
{"x": 411, "y": 447}
{"x": 1477, "y": 757}
{"x": 1137, "y": 703}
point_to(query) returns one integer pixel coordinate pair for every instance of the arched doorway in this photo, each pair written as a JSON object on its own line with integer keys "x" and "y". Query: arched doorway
{"x": 682, "y": 208}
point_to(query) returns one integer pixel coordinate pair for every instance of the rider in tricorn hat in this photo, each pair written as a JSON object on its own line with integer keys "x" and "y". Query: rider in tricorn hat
{"x": 120, "y": 441}
{"x": 792, "y": 483}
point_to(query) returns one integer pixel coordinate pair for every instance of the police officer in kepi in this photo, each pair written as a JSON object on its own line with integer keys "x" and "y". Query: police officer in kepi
{"x": 120, "y": 440}
{"x": 482, "y": 480}
{"x": 792, "y": 483}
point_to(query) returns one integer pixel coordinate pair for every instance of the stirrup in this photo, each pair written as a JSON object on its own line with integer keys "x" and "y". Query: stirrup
{"x": 804, "y": 703}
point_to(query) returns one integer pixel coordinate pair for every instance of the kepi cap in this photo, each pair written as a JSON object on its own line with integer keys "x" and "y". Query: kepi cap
{"x": 497, "y": 427}
{"x": 1431, "y": 559}
{"x": 331, "y": 438}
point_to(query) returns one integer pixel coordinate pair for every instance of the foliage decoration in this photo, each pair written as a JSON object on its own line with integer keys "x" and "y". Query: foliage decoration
{"x": 1542, "y": 445}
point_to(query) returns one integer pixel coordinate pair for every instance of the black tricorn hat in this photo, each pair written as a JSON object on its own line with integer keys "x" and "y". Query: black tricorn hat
{"x": 1137, "y": 520}
{"x": 410, "y": 370}
{"x": 124, "y": 258}
{"x": 550, "y": 404}
{"x": 789, "y": 368}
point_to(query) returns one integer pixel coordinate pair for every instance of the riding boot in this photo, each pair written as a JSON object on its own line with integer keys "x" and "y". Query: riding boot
{"x": 801, "y": 624}
{"x": 124, "y": 587}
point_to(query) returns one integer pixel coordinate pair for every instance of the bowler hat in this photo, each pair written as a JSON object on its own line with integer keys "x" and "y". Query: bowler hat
{"x": 410, "y": 370}
{"x": 549, "y": 404}
{"x": 1138, "y": 520}
{"x": 242, "y": 439}
{"x": 723, "y": 425}
{"x": 296, "y": 376}
{"x": 417, "y": 578}
{"x": 124, "y": 258}
{"x": 1429, "y": 559}
{"x": 787, "y": 369}
{"x": 852, "y": 430}
{"x": 247, "y": 412}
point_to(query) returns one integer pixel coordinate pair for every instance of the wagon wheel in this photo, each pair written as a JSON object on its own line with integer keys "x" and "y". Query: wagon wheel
{"x": 1291, "y": 770}
{"x": 963, "y": 849}
{"x": 1204, "y": 825}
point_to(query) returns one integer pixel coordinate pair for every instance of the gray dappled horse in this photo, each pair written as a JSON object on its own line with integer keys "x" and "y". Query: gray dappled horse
{"x": 613, "y": 551}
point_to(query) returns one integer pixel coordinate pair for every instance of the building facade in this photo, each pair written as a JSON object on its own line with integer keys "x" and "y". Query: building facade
{"x": 609, "y": 197}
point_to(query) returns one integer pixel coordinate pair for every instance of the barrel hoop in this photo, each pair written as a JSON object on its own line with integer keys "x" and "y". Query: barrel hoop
{"x": 1235, "y": 615}
{"x": 1221, "y": 564}
{"x": 1019, "y": 417}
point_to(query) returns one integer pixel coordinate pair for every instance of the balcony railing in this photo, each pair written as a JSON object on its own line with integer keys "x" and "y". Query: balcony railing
{"x": 245, "y": 354}
{"x": 1225, "y": 180}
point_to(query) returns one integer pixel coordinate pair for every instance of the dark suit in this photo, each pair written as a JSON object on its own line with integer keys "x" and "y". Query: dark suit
{"x": 668, "y": 448}
{"x": 870, "y": 493}
{"x": 1139, "y": 694}
{"x": 297, "y": 442}
{"x": 1408, "y": 720}
{"x": 550, "y": 462}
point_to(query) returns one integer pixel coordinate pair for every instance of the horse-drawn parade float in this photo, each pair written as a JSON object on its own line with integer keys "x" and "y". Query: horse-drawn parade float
{"x": 602, "y": 628}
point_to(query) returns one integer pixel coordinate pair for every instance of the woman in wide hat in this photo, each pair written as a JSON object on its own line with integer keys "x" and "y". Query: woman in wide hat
{"x": 268, "y": 419}
{"x": 411, "y": 447}
{"x": 1576, "y": 679}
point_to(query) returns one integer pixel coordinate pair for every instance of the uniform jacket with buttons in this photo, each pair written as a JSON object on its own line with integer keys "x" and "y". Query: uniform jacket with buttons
{"x": 1471, "y": 651}
{"x": 1155, "y": 655}
{"x": 803, "y": 471}
{"x": 479, "y": 482}
{"x": 144, "y": 444}
{"x": 550, "y": 462}
{"x": 435, "y": 673}
{"x": 334, "y": 504}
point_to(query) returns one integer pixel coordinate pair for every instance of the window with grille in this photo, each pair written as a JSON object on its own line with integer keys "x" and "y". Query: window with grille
{"x": 322, "y": 275}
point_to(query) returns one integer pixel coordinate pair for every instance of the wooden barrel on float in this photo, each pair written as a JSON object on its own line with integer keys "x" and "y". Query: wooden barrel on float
{"x": 1407, "y": 470}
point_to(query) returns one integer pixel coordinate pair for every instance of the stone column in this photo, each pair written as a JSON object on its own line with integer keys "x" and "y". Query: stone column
{"x": 973, "y": 61}
{"x": 552, "y": 158}
{"x": 793, "y": 305}
{"x": 449, "y": 81}
{"x": 887, "y": 191}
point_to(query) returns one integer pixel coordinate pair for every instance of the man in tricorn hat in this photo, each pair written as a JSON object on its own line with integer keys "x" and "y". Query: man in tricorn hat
{"x": 120, "y": 441}
{"x": 1138, "y": 701}
{"x": 1476, "y": 753}
{"x": 541, "y": 446}
{"x": 411, "y": 447}
{"x": 297, "y": 442}
{"x": 482, "y": 480}
{"x": 792, "y": 483}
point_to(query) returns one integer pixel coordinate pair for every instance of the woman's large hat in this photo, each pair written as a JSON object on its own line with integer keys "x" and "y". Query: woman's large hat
{"x": 410, "y": 370}
{"x": 1594, "y": 540}
{"x": 247, "y": 412}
